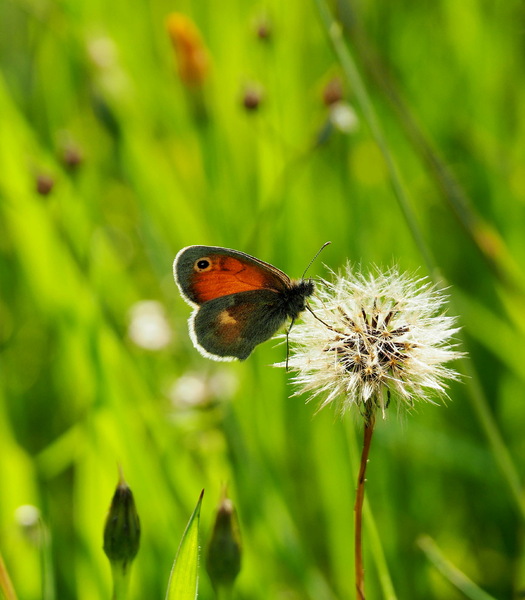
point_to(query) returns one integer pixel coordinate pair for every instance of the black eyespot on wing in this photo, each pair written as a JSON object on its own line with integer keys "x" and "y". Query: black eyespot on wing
{"x": 202, "y": 265}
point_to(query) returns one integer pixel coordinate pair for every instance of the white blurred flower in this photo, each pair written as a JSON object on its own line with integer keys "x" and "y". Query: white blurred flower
{"x": 29, "y": 521}
{"x": 109, "y": 75}
{"x": 27, "y": 515}
{"x": 191, "y": 389}
{"x": 103, "y": 52}
{"x": 196, "y": 388}
{"x": 148, "y": 325}
{"x": 343, "y": 117}
{"x": 374, "y": 336}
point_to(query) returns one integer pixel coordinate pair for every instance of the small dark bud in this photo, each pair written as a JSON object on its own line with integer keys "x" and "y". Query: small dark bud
{"x": 44, "y": 184}
{"x": 122, "y": 529}
{"x": 333, "y": 91}
{"x": 252, "y": 97}
{"x": 223, "y": 561}
{"x": 263, "y": 28}
{"x": 72, "y": 156}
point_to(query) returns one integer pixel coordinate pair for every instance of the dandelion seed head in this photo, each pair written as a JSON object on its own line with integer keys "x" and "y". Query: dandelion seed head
{"x": 372, "y": 338}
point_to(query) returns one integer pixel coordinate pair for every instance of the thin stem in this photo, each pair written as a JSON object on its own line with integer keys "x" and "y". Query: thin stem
{"x": 373, "y": 537}
{"x": 500, "y": 451}
{"x": 224, "y": 592}
{"x": 46, "y": 561}
{"x": 120, "y": 573}
{"x": 452, "y": 573}
{"x": 358, "y": 507}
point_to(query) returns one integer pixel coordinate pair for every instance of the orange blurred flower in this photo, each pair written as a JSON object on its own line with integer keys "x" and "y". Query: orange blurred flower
{"x": 193, "y": 58}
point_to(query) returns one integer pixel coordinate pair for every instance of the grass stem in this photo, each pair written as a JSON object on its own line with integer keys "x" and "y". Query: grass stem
{"x": 453, "y": 574}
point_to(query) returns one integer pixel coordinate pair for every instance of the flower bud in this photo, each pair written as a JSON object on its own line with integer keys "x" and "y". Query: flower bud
{"x": 223, "y": 561}
{"x": 72, "y": 156}
{"x": 263, "y": 28}
{"x": 333, "y": 91}
{"x": 192, "y": 55}
{"x": 122, "y": 529}
{"x": 44, "y": 184}
{"x": 252, "y": 97}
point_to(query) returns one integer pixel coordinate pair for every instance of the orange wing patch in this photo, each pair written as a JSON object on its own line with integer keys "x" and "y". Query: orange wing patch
{"x": 229, "y": 275}
{"x": 229, "y": 327}
{"x": 225, "y": 318}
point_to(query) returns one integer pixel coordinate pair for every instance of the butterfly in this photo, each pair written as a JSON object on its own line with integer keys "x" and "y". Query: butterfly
{"x": 240, "y": 301}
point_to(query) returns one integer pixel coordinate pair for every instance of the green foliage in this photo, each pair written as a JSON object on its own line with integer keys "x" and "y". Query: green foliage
{"x": 183, "y": 584}
{"x": 110, "y": 165}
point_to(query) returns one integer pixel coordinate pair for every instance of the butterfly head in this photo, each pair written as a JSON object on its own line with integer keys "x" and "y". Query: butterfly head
{"x": 296, "y": 296}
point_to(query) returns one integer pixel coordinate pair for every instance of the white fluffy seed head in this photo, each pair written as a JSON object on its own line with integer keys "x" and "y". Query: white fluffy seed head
{"x": 374, "y": 337}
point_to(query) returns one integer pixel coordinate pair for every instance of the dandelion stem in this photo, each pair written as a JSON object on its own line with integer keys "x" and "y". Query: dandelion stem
{"x": 358, "y": 507}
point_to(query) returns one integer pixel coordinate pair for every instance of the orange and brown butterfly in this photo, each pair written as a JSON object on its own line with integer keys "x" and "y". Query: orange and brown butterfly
{"x": 240, "y": 301}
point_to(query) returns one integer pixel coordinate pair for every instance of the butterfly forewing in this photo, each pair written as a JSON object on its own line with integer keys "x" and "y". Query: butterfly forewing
{"x": 204, "y": 273}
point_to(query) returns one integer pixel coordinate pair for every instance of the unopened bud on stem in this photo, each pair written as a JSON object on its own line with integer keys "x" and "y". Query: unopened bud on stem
{"x": 223, "y": 561}
{"x": 121, "y": 536}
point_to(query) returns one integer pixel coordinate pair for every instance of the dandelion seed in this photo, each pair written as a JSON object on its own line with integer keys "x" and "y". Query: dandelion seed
{"x": 374, "y": 337}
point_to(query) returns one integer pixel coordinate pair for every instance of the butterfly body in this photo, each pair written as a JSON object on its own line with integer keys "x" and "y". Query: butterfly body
{"x": 240, "y": 301}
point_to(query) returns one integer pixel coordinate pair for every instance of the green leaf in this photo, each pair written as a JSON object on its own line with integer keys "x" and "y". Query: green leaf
{"x": 184, "y": 578}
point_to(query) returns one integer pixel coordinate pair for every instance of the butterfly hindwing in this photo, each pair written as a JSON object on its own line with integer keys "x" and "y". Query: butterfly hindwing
{"x": 231, "y": 326}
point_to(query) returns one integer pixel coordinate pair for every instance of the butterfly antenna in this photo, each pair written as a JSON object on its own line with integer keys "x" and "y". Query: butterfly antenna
{"x": 316, "y": 255}
{"x": 293, "y": 320}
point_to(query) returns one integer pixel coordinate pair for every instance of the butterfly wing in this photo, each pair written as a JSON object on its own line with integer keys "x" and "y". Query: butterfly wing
{"x": 231, "y": 326}
{"x": 204, "y": 273}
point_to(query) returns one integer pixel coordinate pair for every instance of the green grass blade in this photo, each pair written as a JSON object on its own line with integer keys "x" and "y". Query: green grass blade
{"x": 448, "y": 570}
{"x": 184, "y": 578}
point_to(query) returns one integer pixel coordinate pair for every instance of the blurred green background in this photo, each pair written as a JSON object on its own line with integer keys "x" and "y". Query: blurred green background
{"x": 116, "y": 151}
